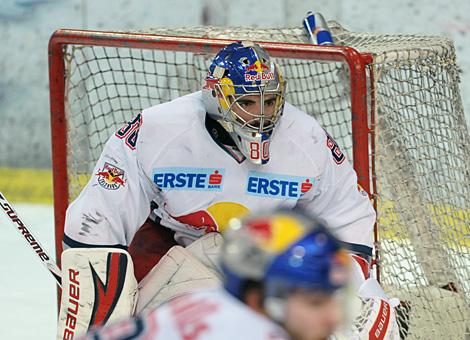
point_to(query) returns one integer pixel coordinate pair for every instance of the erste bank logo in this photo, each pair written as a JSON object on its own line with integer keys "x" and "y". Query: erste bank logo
{"x": 205, "y": 179}
{"x": 277, "y": 186}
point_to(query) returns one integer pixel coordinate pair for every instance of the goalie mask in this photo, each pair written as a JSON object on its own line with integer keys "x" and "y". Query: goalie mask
{"x": 284, "y": 252}
{"x": 244, "y": 91}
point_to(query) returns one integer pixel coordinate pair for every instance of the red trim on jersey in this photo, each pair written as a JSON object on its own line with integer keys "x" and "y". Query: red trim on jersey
{"x": 363, "y": 264}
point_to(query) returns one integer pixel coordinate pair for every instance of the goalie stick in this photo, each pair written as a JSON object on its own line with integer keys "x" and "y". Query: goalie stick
{"x": 30, "y": 239}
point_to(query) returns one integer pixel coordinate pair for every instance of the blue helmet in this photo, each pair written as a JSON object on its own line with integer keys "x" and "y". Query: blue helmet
{"x": 283, "y": 251}
{"x": 239, "y": 71}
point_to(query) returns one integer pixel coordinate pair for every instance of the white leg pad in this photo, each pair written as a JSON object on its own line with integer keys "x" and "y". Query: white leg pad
{"x": 178, "y": 272}
{"x": 207, "y": 249}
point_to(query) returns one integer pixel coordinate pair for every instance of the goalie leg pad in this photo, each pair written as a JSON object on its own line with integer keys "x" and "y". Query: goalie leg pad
{"x": 178, "y": 272}
{"x": 207, "y": 249}
{"x": 98, "y": 285}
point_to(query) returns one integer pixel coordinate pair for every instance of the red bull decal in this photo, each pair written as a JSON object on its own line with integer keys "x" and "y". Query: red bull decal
{"x": 198, "y": 220}
{"x": 258, "y": 67}
{"x": 205, "y": 179}
{"x": 214, "y": 218}
{"x": 258, "y": 72}
{"x": 111, "y": 177}
{"x": 277, "y": 186}
{"x": 259, "y": 77}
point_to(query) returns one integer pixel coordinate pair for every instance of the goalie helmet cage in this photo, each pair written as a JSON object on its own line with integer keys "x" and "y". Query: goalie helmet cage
{"x": 392, "y": 103}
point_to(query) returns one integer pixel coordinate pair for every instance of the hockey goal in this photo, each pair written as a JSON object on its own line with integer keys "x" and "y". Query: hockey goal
{"x": 391, "y": 101}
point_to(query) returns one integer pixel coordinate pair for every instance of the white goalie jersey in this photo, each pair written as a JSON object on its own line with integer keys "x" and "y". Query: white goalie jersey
{"x": 170, "y": 156}
{"x": 207, "y": 314}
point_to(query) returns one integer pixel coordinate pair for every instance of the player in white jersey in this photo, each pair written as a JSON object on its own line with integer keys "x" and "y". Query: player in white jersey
{"x": 192, "y": 164}
{"x": 282, "y": 266}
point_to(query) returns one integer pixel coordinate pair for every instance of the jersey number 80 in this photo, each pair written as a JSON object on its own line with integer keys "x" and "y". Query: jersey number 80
{"x": 255, "y": 151}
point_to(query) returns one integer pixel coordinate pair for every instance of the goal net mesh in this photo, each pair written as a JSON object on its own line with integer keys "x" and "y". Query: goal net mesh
{"x": 421, "y": 145}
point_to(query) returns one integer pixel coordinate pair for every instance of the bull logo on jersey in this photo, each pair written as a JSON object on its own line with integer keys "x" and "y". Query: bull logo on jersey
{"x": 203, "y": 179}
{"x": 214, "y": 218}
{"x": 278, "y": 186}
{"x": 111, "y": 177}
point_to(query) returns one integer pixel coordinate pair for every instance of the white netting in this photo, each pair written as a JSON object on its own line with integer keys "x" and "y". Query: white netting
{"x": 421, "y": 145}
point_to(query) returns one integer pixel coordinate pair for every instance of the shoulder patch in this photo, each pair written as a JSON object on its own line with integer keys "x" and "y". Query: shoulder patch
{"x": 110, "y": 177}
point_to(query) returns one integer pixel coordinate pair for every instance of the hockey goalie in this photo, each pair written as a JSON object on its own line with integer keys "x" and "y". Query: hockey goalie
{"x": 145, "y": 228}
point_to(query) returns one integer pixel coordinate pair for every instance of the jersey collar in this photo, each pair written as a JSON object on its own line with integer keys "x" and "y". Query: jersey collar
{"x": 223, "y": 139}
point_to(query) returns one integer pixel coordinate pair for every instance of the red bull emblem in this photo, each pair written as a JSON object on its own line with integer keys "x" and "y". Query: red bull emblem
{"x": 215, "y": 217}
{"x": 263, "y": 72}
{"x": 111, "y": 177}
{"x": 199, "y": 220}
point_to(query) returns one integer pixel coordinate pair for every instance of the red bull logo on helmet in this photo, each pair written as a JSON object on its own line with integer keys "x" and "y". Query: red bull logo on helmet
{"x": 205, "y": 179}
{"x": 111, "y": 177}
{"x": 258, "y": 71}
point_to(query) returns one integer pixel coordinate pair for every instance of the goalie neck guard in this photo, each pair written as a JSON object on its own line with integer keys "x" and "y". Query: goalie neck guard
{"x": 245, "y": 92}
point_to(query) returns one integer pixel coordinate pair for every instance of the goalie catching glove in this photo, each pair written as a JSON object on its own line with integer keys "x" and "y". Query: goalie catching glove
{"x": 373, "y": 313}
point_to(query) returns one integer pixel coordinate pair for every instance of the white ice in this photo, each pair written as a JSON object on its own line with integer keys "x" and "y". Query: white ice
{"x": 28, "y": 302}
